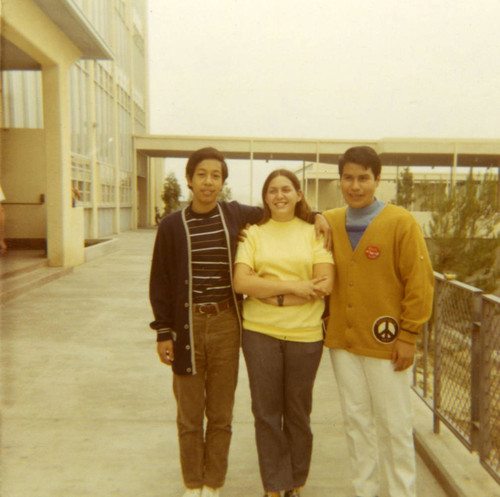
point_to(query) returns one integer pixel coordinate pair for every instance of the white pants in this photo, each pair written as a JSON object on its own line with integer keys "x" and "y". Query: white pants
{"x": 376, "y": 403}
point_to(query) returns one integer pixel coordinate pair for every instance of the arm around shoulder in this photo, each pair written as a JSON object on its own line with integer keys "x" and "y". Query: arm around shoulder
{"x": 249, "y": 214}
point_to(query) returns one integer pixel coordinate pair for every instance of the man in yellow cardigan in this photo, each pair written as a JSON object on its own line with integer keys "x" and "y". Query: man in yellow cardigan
{"x": 382, "y": 296}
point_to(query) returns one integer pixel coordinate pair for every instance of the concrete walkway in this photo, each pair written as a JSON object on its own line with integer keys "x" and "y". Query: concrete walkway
{"x": 87, "y": 408}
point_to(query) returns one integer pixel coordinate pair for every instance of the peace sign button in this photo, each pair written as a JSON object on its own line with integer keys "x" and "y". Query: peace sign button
{"x": 385, "y": 329}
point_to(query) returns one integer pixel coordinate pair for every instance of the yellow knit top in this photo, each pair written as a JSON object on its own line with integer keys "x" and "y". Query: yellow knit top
{"x": 283, "y": 251}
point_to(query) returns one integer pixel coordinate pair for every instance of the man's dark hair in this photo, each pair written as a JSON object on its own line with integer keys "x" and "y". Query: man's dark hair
{"x": 364, "y": 156}
{"x": 202, "y": 154}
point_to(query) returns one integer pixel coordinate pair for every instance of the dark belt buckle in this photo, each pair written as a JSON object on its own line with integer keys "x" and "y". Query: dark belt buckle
{"x": 207, "y": 309}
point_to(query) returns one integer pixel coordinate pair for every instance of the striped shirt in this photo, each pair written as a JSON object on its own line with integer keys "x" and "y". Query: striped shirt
{"x": 209, "y": 257}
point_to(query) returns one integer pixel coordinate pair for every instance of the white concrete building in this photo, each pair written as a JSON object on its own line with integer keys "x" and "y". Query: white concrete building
{"x": 74, "y": 91}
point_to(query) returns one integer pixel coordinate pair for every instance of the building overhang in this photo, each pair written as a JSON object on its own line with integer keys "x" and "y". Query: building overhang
{"x": 13, "y": 58}
{"x": 396, "y": 152}
{"x": 71, "y": 20}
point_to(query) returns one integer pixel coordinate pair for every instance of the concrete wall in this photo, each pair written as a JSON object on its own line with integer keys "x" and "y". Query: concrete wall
{"x": 142, "y": 202}
{"x": 329, "y": 195}
{"x": 143, "y": 206}
{"x": 155, "y": 187}
{"x": 24, "y": 182}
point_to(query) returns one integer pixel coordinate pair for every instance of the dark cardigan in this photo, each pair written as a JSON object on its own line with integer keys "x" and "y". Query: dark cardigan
{"x": 170, "y": 284}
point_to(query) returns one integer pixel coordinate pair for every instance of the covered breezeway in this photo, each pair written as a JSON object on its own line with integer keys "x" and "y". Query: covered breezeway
{"x": 398, "y": 152}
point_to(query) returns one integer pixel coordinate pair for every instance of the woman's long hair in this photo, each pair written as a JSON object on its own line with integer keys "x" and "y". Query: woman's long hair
{"x": 302, "y": 209}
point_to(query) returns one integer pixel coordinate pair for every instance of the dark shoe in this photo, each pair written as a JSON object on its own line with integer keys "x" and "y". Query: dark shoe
{"x": 292, "y": 493}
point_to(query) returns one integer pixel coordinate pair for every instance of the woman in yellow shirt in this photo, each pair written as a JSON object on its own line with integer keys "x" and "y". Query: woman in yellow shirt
{"x": 285, "y": 271}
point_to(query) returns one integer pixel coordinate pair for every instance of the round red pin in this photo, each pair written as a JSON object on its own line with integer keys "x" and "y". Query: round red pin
{"x": 372, "y": 251}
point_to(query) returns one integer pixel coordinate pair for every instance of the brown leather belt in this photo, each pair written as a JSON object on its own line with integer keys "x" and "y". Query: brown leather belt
{"x": 213, "y": 308}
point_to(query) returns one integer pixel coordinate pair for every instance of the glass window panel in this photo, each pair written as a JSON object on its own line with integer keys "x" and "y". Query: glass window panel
{"x": 106, "y": 183}
{"x": 81, "y": 177}
{"x": 22, "y": 99}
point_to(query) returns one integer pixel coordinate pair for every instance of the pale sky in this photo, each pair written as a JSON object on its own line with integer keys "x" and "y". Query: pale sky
{"x": 348, "y": 69}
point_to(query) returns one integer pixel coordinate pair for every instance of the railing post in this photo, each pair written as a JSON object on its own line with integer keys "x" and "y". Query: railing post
{"x": 426, "y": 359}
{"x": 424, "y": 333}
{"x": 484, "y": 411}
{"x": 436, "y": 397}
{"x": 477, "y": 386}
{"x": 477, "y": 382}
{"x": 490, "y": 341}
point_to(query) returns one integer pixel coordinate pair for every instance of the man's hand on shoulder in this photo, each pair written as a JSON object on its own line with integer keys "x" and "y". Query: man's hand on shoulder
{"x": 165, "y": 351}
{"x": 243, "y": 233}
{"x": 403, "y": 355}
{"x": 322, "y": 227}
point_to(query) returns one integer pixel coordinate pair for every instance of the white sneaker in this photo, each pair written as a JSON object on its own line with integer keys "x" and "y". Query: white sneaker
{"x": 192, "y": 492}
{"x": 209, "y": 492}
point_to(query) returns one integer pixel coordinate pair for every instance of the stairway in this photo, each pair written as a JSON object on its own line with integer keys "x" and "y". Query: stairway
{"x": 25, "y": 270}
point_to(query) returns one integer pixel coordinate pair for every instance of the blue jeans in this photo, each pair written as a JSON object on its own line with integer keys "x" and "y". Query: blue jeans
{"x": 210, "y": 393}
{"x": 281, "y": 375}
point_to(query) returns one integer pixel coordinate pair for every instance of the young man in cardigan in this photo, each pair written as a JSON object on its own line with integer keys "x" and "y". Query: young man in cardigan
{"x": 382, "y": 296}
{"x": 197, "y": 319}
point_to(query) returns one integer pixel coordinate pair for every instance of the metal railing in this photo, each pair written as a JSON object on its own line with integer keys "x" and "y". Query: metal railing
{"x": 457, "y": 368}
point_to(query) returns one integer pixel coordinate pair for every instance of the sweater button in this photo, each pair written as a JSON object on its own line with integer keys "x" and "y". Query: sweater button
{"x": 186, "y": 326}
{"x": 186, "y": 304}
{"x": 188, "y": 370}
{"x": 186, "y": 282}
{"x": 188, "y": 347}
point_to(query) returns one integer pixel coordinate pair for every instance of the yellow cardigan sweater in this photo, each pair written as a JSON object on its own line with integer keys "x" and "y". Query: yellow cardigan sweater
{"x": 383, "y": 290}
